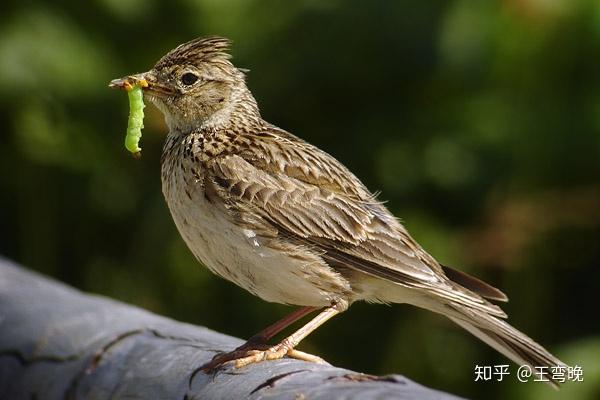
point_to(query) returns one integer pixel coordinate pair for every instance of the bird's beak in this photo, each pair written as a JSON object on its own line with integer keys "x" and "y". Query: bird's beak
{"x": 146, "y": 80}
{"x": 128, "y": 82}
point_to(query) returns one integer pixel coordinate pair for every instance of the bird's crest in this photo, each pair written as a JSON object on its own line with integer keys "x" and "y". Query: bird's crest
{"x": 209, "y": 49}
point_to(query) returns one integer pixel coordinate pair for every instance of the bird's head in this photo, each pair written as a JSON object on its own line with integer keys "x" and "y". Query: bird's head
{"x": 196, "y": 86}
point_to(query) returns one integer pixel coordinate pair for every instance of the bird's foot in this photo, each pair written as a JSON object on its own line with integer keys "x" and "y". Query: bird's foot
{"x": 275, "y": 353}
{"x": 252, "y": 352}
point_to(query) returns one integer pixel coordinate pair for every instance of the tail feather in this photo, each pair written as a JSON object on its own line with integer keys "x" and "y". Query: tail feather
{"x": 504, "y": 338}
{"x": 474, "y": 284}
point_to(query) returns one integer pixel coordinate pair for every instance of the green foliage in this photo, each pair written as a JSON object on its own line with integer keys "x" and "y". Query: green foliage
{"x": 478, "y": 121}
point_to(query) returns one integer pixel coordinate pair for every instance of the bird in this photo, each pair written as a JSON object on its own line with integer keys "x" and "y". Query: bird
{"x": 289, "y": 223}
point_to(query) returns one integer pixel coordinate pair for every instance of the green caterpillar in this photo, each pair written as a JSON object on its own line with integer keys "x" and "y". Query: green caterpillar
{"x": 135, "y": 122}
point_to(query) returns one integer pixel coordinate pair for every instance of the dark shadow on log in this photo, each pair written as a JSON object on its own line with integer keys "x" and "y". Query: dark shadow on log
{"x": 59, "y": 343}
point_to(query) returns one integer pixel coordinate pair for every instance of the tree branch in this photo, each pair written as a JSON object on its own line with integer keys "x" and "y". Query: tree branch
{"x": 59, "y": 343}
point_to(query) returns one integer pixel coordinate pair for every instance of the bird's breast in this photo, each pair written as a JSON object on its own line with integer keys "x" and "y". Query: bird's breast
{"x": 266, "y": 267}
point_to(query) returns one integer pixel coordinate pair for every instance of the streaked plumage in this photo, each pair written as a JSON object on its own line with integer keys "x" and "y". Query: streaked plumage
{"x": 285, "y": 220}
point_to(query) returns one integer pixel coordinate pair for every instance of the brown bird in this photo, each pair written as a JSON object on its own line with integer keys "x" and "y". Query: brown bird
{"x": 288, "y": 222}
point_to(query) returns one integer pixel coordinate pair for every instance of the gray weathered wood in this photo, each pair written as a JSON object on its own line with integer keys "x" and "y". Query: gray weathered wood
{"x": 59, "y": 343}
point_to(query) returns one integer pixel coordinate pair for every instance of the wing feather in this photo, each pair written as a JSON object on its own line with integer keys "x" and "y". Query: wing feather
{"x": 312, "y": 199}
{"x": 336, "y": 221}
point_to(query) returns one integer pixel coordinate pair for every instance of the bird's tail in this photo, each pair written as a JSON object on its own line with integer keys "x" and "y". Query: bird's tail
{"x": 506, "y": 339}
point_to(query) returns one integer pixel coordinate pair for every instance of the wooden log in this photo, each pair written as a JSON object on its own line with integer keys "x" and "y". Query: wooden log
{"x": 59, "y": 343}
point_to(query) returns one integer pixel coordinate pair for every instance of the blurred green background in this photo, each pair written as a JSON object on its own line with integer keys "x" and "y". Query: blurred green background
{"x": 478, "y": 120}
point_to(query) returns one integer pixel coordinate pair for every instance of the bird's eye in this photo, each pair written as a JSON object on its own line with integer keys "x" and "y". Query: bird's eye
{"x": 189, "y": 78}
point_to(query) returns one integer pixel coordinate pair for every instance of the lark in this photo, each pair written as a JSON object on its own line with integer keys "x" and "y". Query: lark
{"x": 289, "y": 223}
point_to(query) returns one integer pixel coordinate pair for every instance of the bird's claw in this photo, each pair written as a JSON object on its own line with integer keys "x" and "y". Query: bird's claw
{"x": 251, "y": 353}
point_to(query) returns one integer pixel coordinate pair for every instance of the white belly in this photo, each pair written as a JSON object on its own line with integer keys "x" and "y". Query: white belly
{"x": 240, "y": 256}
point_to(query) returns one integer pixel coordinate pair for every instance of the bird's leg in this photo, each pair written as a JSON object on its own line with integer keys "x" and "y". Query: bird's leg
{"x": 286, "y": 346}
{"x": 253, "y": 352}
{"x": 272, "y": 330}
{"x": 258, "y": 341}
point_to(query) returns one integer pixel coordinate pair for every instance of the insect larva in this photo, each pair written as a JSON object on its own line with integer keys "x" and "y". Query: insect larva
{"x": 135, "y": 123}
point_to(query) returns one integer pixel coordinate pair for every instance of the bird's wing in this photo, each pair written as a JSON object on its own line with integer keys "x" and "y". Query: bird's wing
{"x": 310, "y": 198}
{"x": 314, "y": 215}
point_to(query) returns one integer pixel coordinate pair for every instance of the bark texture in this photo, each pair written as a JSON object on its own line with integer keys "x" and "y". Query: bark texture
{"x": 59, "y": 343}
